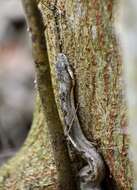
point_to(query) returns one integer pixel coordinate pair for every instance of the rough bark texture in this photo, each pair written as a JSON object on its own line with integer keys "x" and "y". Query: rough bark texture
{"x": 83, "y": 30}
{"x": 86, "y": 35}
{"x": 44, "y": 84}
{"x": 33, "y": 167}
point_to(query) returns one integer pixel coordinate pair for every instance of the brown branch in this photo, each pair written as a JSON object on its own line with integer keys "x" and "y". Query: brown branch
{"x": 35, "y": 22}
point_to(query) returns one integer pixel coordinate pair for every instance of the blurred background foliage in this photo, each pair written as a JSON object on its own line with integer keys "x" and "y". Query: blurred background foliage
{"x": 16, "y": 79}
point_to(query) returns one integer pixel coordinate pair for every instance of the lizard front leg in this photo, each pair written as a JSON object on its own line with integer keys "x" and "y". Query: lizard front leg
{"x": 91, "y": 175}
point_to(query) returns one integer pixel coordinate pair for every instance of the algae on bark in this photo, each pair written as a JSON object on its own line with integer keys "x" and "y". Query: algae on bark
{"x": 83, "y": 30}
{"x": 86, "y": 35}
{"x": 33, "y": 167}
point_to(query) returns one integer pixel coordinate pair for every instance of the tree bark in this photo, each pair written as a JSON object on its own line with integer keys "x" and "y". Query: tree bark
{"x": 86, "y": 35}
{"x": 34, "y": 165}
{"x": 82, "y": 30}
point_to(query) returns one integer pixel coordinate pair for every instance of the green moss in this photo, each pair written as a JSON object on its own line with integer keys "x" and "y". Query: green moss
{"x": 33, "y": 167}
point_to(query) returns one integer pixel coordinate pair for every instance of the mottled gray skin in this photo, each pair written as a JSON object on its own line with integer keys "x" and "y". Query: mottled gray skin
{"x": 91, "y": 175}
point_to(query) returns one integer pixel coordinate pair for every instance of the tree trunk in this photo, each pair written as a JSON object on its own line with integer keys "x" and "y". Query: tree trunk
{"x": 82, "y": 30}
{"x": 34, "y": 165}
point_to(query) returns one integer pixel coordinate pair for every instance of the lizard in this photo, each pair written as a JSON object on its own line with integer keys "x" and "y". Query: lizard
{"x": 91, "y": 175}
